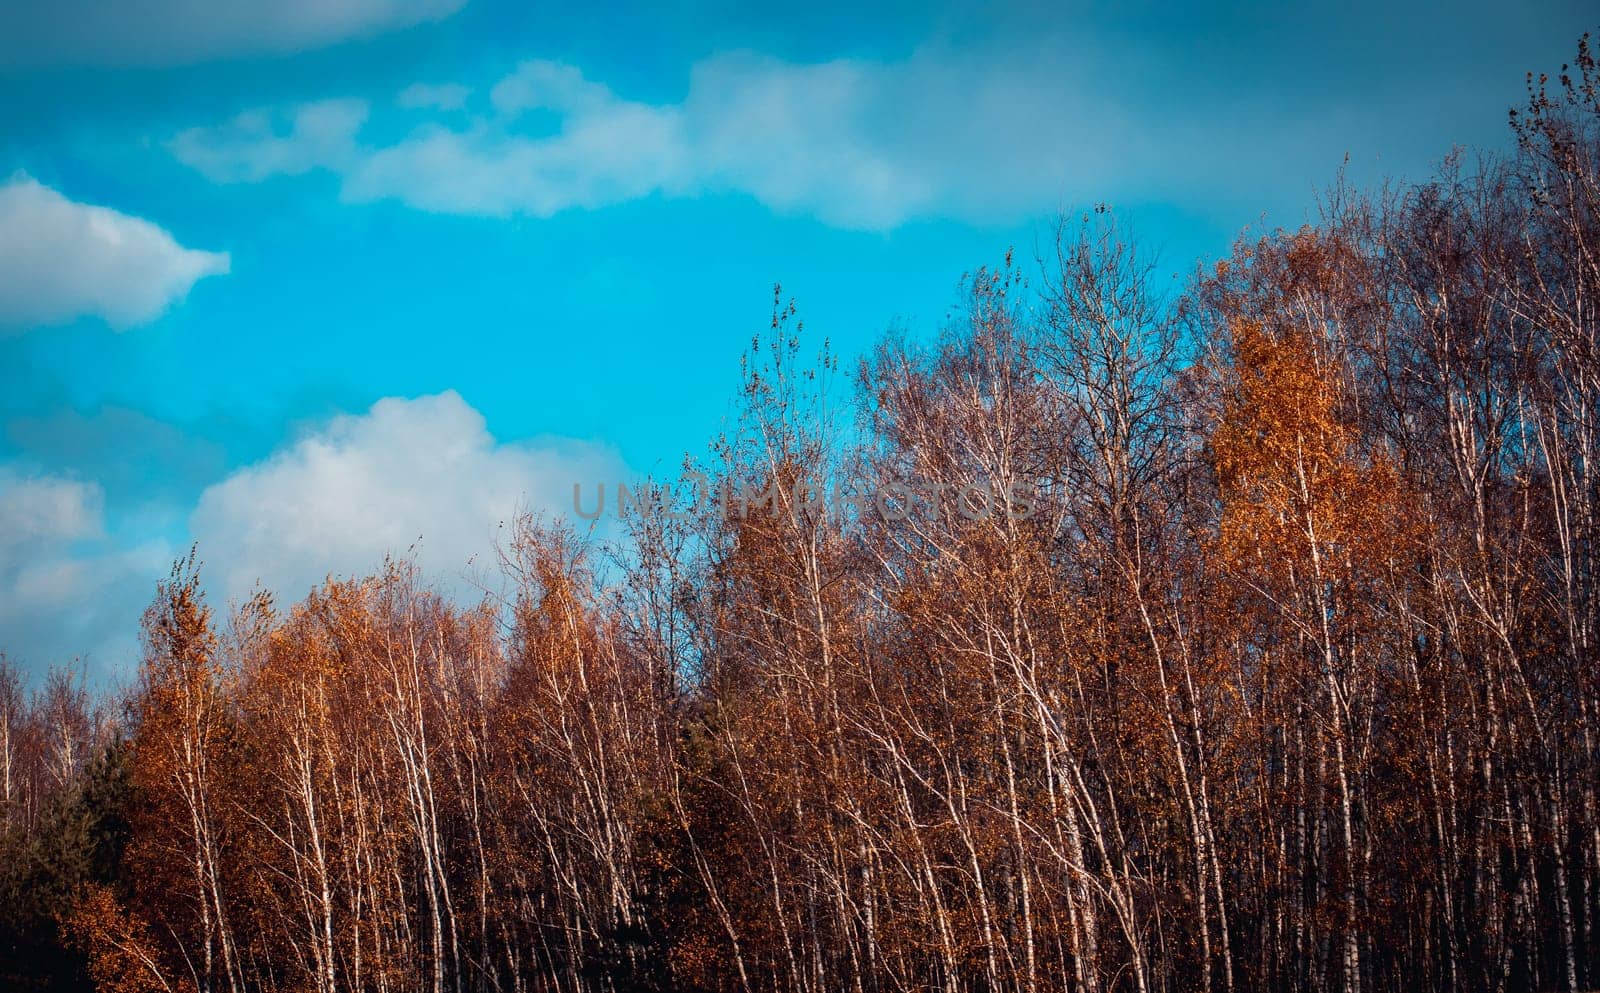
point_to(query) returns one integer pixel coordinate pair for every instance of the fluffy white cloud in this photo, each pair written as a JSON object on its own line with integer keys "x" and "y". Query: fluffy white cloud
{"x": 421, "y": 474}
{"x": 66, "y": 590}
{"x": 168, "y": 32}
{"x": 60, "y": 259}
{"x": 606, "y": 151}
{"x": 45, "y": 510}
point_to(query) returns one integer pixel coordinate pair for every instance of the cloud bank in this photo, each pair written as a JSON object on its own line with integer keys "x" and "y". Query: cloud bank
{"x": 60, "y": 260}
{"x": 857, "y": 144}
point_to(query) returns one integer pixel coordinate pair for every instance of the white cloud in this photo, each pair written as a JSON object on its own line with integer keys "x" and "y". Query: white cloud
{"x": 606, "y": 150}
{"x": 60, "y": 260}
{"x": 170, "y": 32}
{"x": 817, "y": 139}
{"x": 66, "y": 589}
{"x": 858, "y": 144}
{"x": 620, "y": 152}
{"x": 260, "y": 144}
{"x": 544, "y": 85}
{"x": 979, "y": 136}
{"x": 363, "y": 486}
{"x": 45, "y": 510}
{"x": 416, "y": 476}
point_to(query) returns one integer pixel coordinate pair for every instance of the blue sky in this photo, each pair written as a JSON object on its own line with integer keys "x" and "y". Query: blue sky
{"x": 307, "y": 281}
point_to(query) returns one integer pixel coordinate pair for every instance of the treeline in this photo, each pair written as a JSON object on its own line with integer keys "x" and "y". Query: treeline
{"x": 1284, "y": 675}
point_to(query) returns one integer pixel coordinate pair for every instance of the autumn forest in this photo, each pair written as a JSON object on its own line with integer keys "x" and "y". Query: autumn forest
{"x": 1284, "y": 675}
